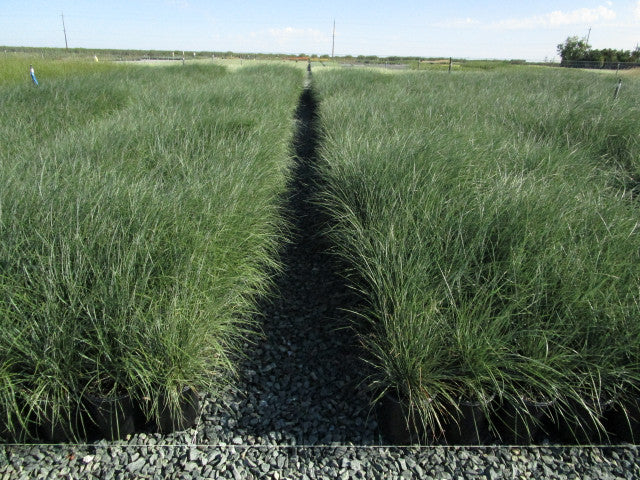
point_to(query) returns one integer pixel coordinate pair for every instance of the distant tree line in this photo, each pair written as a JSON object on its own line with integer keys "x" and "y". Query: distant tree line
{"x": 577, "y": 52}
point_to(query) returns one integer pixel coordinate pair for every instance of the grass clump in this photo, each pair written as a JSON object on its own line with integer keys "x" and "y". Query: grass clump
{"x": 139, "y": 215}
{"x": 494, "y": 263}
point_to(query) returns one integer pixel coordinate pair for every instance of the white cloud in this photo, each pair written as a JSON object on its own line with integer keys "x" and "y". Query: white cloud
{"x": 559, "y": 18}
{"x": 458, "y": 23}
{"x": 582, "y": 15}
{"x": 286, "y": 39}
{"x": 288, "y": 35}
{"x": 177, "y": 3}
{"x": 636, "y": 10}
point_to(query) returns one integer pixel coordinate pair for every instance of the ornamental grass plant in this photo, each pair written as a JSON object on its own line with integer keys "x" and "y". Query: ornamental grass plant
{"x": 494, "y": 262}
{"x": 579, "y": 110}
{"x": 139, "y": 216}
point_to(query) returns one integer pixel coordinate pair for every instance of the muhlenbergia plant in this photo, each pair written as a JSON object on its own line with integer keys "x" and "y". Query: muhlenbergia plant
{"x": 139, "y": 218}
{"x": 494, "y": 262}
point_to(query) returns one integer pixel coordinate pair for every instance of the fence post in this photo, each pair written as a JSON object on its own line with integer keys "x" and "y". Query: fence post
{"x": 450, "y": 62}
{"x": 615, "y": 95}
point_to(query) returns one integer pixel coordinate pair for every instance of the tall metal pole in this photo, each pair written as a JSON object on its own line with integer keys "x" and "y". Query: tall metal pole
{"x": 66, "y": 45}
{"x": 588, "y": 35}
{"x": 333, "y": 39}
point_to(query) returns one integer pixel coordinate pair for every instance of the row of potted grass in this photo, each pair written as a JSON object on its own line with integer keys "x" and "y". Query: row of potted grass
{"x": 498, "y": 268}
{"x": 139, "y": 215}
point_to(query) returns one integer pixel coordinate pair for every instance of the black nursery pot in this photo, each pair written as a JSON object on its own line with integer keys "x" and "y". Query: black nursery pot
{"x": 517, "y": 426}
{"x": 5, "y": 434}
{"x": 54, "y": 431}
{"x": 623, "y": 420}
{"x": 399, "y": 424}
{"x": 175, "y": 421}
{"x": 61, "y": 429}
{"x": 469, "y": 424}
{"x": 15, "y": 433}
{"x": 114, "y": 417}
{"x": 585, "y": 426}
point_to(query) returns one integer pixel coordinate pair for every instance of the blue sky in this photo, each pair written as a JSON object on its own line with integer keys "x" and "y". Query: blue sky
{"x": 466, "y": 29}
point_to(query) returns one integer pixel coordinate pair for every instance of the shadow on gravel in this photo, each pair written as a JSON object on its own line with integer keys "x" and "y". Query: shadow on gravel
{"x": 301, "y": 383}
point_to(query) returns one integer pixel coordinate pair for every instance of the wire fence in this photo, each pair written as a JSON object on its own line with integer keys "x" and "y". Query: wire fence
{"x": 392, "y": 63}
{"x": 599, "y": 64}
{"x": 119, "y": 54}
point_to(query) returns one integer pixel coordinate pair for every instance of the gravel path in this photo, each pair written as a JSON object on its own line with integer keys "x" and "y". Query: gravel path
{"x": 300, "y": 410}
{"x": 300, "y": 384}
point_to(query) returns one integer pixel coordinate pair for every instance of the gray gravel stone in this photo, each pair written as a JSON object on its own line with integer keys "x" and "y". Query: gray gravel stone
{"x": 131, "y": 467}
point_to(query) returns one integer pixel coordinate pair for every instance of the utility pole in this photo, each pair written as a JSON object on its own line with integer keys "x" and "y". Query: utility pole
{"x": 66, "y": 45}
{"x": 333, "y": 39}
{"x": 588, "y": 35}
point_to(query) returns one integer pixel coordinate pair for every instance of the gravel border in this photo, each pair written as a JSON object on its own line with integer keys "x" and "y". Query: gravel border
{"x": 300, "y": 410}
{"x": 115, "y": 461}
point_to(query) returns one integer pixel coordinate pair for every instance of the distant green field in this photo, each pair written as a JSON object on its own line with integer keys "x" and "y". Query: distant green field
{"x": 490, "y": 222}
{"x": 139, "y": 215}
{"x": 15, "y": 68}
